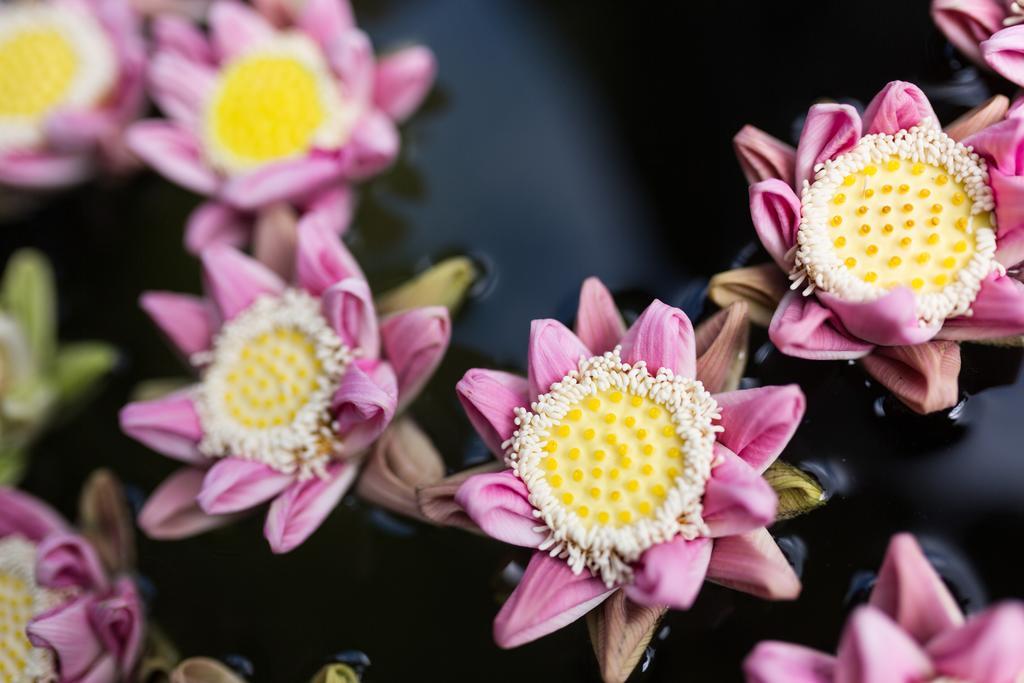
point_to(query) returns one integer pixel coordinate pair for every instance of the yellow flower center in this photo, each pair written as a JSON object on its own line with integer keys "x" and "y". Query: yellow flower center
{"x": 20, "y": 601}
{"x": 904, "y": 224}
{"x": 36, "y": 69}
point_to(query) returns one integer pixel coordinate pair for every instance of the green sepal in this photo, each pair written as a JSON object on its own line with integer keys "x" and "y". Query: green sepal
{"x": 798, "y": 491}
{"x": 336, "y": 673}
{"x": 444, "y": 284}
{"x": 79, "y": 366}
{"x": 28, "y": 294}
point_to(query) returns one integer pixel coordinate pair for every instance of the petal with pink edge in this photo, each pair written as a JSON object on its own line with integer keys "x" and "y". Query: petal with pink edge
{"x": 181, "y": 87}
{"x": 282, "y": 181}
{"x": 348, "y": 308}
{"x": 67, "y": 630}
{"x": 899, "y": 106}
{"x": 372, "y": 147}
{"x": 671, "y": 573}
{"x": 736, "y": 498}
{"x": 498, "y": 503}
{"x": 403, "y": 80}
{"x": 236, "y": 484}
{"x": 1009, "y": 196}
{"x": 997, "y": 311}
{"x": 830, "y": 130}
{"x": 177, "y": 35}
{"x": 235, "y": 28}
{"x": 119, "y": 622}
{"x": 171, "y": 512}
{"x": 325, "y": 20}
{"x": 966, "y": 24}
{"x": 300, "y": 510}
{"x": 214, "y": 223}
{"x": 42, "y": 170}
{"x": 758, "y": 423}
{"x": 27, "y": 516}
{"x": 332, "y": 207}
{"x": 925, "y": 377}
{"x": 873, "y": 649}
{"x": 803, "y": 328}
{"x": 599, "y": 324}
{"x": 414, "y": 343}
{"x": 763, "y": 156}
{"x": 364, "y": 404}
{"x": 1001, "y": 144}
{"x": 662, "y": 337}
{"x": 234, "y": 281}
{"x": 1010, "y": 249}
{"x": 554, "y": 352}
{"x": 65, "y": 560}
{"x": 351, "y": 56}
{"x": 753, "y": 563}
{"x": 169, "y": 425}
{"x": 775, "y": 662}
{"x": 490, "y": 398}
{"x": 74, "y": 131}
{"x": 1004, "y": 52}
{"x": 548, "y": 597}
{"x": 174, "y": 153}
{"x": 321, "y": 258}
{"x": 986, "y": 648}
{"x": 889, "y": 320}
{"x": 186, "y": 320}
{"x": 775, "y": 211}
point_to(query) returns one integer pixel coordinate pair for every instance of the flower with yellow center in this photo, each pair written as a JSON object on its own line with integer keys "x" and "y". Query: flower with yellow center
{"x": 20, "y": 600}
{"x": 51, "y": 58}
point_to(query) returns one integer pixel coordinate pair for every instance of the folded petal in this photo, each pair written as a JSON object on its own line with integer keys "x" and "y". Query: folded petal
{"x": 911, "y": 592}
{"x": 489, "y": 398}
{"x": 67, "y": 630}
{"x": 203, "y": 670}
{"x": 548, "y": 597}
{"x": 332, "y": 207}
{"x": 988, "y": 113}
{"x": 214, "y": 222}
{"x": 43, "y": 170}
{"x": 236, "y": 28}
{"x": 663, "y": 337}
{"x": 172, "y": 512}
{"x": 554, "y": 352}
{"x": 75, "y": 131}
{"x": 804, "y": 328}
{"x": 986, "y": 648}
{"x": 899, "y": 106}
{"x": 753, "y": 563}
{"x": 321, "y": 259}
{"x": 168, "y": 425}
{"x": 348, "y": 308}
{"x": 1010, "y": 249}
{"x": 599, "y": 324}
{"x": 415, "y": 343}
{"x": 364, "y": 404}
{"x": 281, "y": 181}
{"x": 889, "y": 320}
{"x": 174, "y": 153}
{"x": 301, "y": 509}
{"x": 180, "y": 36}
{"x": 65, "y": 560}
{"x": 763, "y": 156}
{"x": 351, "y": 56}
{"x": 437, "y": 501}
{"x": 830, "y": 130}
{"x": 186, "y": 320}
{"x": 1009, "y": 193}
{"x": 499, "y": 505}
{"x": 325, "y": 20}
{"x": 761, "y": 287}
{"x": 274, "y": 239}
{"x": 620, "y": 631}
{"x": 234, "y": 281}
{"x": 758, "y": 423}
{"x": 1004, "y": 53}
{"x": 998, "y": 311}
{"x": 372, "y": 147}
{"x": 403, "y": 460}
{"x": 721, "y": 346}
{"x": 924, "y": 377}
{"x": 403, "y": 80}
{"x": 873, "y": 649}
{"x": 236, "y": 484}
{"x": 775, "y": 662}
{"x": 181, "y": 86}
{"x": 27, "y": 516}
{"x": 105, "y": 520}
{"x": 775, "y": 211}
{"x": 736, "y": 498}
{"x": 671, "y": 573}
{"x": 967, "y": 23}
{"x": 119, "y": 623}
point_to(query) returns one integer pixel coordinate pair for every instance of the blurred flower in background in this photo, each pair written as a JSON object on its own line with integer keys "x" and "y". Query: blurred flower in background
{"x": 988, "y": 32}
{"x": 206, "y": 670}
{"x": 40, "y": 378}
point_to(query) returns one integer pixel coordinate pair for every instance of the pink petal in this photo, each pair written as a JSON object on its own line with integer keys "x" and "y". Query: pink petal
{"x": 300, "y": 510}
{"x": 181, "y": 86}
{"x": 554, "y": 352}
{"x": 403, "y": 80}
{"x": 274, "y": 238}
{"x": 753, "y": 563}
{"x": 348, "y": 308}
{"x": 987, "y": 648}
{"x": 873, "y": 649}
{"x": 281, "y": 181}
{"x": 775, "y": 211}
{"x": 186, "y": 320}
{"x": 169, "y": 425}
{"x": 899, "y": 106}
{"x": 671, "y": 573}
{"x": 78, "y": 132}
{"x": 174, "y": 153}
{"x": 236, "y": 484}
{"x": 967, "y": 23}
{"x": 663, "y": 337}
{"x": 890, "y": 320}
{"x": 321, "y": 259}
{"x": 213, "y": 223}
{"x": 415, "y": 342}
{"x": 236, "y": 28}
{"x": 998, "y": 311}
{"x": 119, "y": 622}
{"x": 364, "y": 404}
{"x": 548, "y": 597}
{"x": 67, "y": 630}
{"x": 498, "y": 503}
{"x": 325, "y": 20}
{"x": 599, "y": 324}
{"x": 1002, "y": 146}
{"x": 234, "y": 281}
{"x": 736, "y": 498}
{"x": 65, "y": 560}
{"x": 988, "y": 113}
{"x": 1009, "y": 195}
{"x": 332, "y": 207}
{"x": 910, "y": 591}
{"x": 372, "y": 147}
{"x": 43, "y": 170}
{"x": 829, "y": 130}
{"x": 1010, "y": 249}
{"x": 171, "y": 511}
{"x": 351, "y": 56}
{"x": 925, "y": 377}
{"x": 759, "y": 422}
{"x": 489, "y": 398}
{"x": 775, "y": 662}
{"x": 803, "y": 328}
{"x": 1004, "y": 52}
{"x": 27, "y": 516}
{"x": 763, "y": 156}
{"x": 180, "y": 36}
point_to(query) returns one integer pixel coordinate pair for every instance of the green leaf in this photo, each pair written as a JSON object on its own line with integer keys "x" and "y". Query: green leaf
{"x": 798, "y": 491}
{"x": 336, "y": 673}
{"x": 79, "y": 366}
{"x": 12, "y": 465}
{"x": 444, "y": 284}
{"x": 29, "y": 295}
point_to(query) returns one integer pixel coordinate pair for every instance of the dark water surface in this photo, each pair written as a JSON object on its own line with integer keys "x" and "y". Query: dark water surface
{"x": 566, "y": 139}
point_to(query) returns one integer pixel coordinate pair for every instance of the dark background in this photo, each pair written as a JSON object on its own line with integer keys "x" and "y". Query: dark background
{"x": 564, "y": 139}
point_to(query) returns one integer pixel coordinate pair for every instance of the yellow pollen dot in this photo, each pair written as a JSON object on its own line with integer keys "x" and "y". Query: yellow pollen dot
{"x": 909, "y": 224}
{"x": 960, "y": 247}
{"x": 632, "y": 485}
{"x": 575, "y": 414}
{"x": 887, "y": 228}
{"x": 941, "y": 279}
{"x": 936, "y": 208}
{"x": 567, "y": 498}
{"x": 886, "y": 189}
{"x": 839, "y": 198}
{"x": 658, "y": 490}
{"x": 625, "y": 461}
{"x": 611, "y": 439}
{"x": 551, "y": 464}
{"x": 577, "y": 475}
{"x": 629, "y": 421}
{"x": 942, "y": 179}
{"x": 647, "y": 469}
{"x": 555, "y": 480}
{"x": 961, "y": 223}
{"x": 917, "y": 283}
{"x": 865, "y": 229}
{"x": 596, "y": 473}
{"x": 599, "y": 455}
{"x": 850, "y": 262}
{"x": 551, "y": 446}
{"x": 892, "y": 165}
{"x": 840, "y": 241}
{"x": 623, "y": 448}
{"x": 641, "y": 434}
{"x": 886, "y": 209}
{"x": 903, "y": 189}
{"x": 869, "y": 193}
{"x": 924, "y": 193}
{"x": 636, "y": 401}
{"x": 907, "y": 208}
{"x": 870, "y": 170}
{"x": 583, "y": 511}
{"x": 958, "y": 198}
{"x": 610, "y": 418}
{"x": 615, "y": 496}
{"x": 668, "y": 430}
{"x": 906, "y": 242}
{"x": 588, "y": 434}
{"x": 933, "y": 238}
{"x": 849, "y": 180}
{"x": 562, "y": 431}
{"x": 872, "y": 249}
{"x": 673, "y": 453}
{"x": 593, "y": 404}
{"x": 603, "y": 517}
{"x": 870, "y": 276}
{"x": 625, "y": 516}
{"x": 861, "y": 210}
{"x": 595, "y": 492}
{"x": 654, "y": 413}
{"x": 917, "y": 169}
{"x": 647, "y": 449}
{"x": 923, "y": 257}
{"x": 574, "y": 454}
{"x": 644, "y": 507}
{"x": 613, "y": 474}
{"x": 616, "y": 397}
{"x": 895, "y": 261}
{"x": 934, "y": 220}
{"x": 948, "y": 262}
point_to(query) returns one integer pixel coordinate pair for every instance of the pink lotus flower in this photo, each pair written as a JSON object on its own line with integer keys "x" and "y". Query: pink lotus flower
{"x": 624, "y": 472}
{"x": 62, "y": 617}
{"x": 988, "y": 32}
{"x": 910, "y": 631}
{"x": 71, "y": 78}
{"x": 902, "y": 236}
{"x": 296, "y": 384}
{"x": 261, "y": 115}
